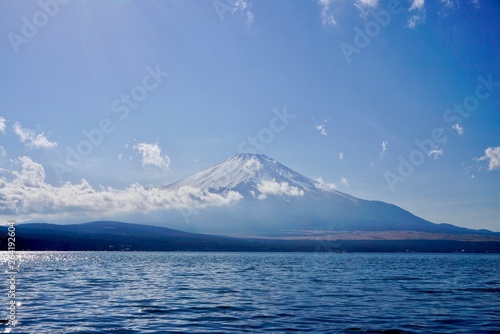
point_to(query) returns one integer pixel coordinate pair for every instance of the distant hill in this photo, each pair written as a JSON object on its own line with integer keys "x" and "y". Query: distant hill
{"x": 117, "y": 236}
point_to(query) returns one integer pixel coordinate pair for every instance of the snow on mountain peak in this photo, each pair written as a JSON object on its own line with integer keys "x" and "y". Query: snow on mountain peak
{"x": 255, "y": 174}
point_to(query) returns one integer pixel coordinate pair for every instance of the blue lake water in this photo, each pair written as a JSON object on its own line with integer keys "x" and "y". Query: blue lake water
{"x": 141, "y": 292}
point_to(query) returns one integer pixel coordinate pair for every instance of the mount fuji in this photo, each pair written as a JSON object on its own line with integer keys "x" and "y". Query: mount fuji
{"x": 275, "y": 201}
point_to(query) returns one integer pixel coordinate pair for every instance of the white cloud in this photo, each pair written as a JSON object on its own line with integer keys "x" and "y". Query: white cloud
{"x": 493, "y": 155}
{"x": 384, "y": 148}
{"x": 151, "y": 155}
{"x": 271, "y": 187}
{"x": 414, "y": 20}
{"x": 341, "y": 155}
{"x": 344, "y": 181}
{"x": 27, "y": 195}
{"x": 321, "y": 129}
{"x": 243, "y": 6}
{"x": 459, "y": 129}
{"x": 2, "y": 124}
{"x": 3, "y": 153}
{"x": 250, "y": 18}
{"x": 436, "y": 153}
{"x": 326, "y": 13}
{"x": 417, "y": 5}
{"x": 320, "y": 184}
{"x": 416, "y": 9}
{"x": 240, "y": 4}
{"x": 32, "y": 139}
{"x": 453, "y": 3}
{"x": 381, "y": 154}
{"x": 367, "y": 3}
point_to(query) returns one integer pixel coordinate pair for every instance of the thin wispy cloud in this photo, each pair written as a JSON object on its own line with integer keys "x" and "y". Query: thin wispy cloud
{"x": 344, "y": 181}
{"x": 31, "y": 138}
{"x": 321, "y": 127}
{"x": 414, "y": 20}
{"x": 341, "y": 155}
{"x": 243, "y": 6}
{"x": 417, "y": 9}
{"x": 417, "y": 5}
{"x": 459, "y": 129}
{"x": 436, "y": 153}
{"x": 321, "y": 184}
{"x": 365, "y": 5}
{"x": 3, "y": 124}
{"x": 448, "y": 3}
{"x": 250, "y": 18}
{"x": 384, "y": 148}
{"x": 383, "y": 151}
{"x": 492, "y": 155}
{"x": 151, "y": 155}
{"x": 456, "y": 3}
{"x": 233, "y": 7}
{"x": 240, "y": 5}
{"x": 327, "y": 17}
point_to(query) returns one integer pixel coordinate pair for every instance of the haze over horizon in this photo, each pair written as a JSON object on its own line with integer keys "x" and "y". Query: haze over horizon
{"x": 397, "y": 101}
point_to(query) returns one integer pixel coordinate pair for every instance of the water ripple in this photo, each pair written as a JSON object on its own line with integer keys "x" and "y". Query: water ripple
{"x": 140, "y": 292}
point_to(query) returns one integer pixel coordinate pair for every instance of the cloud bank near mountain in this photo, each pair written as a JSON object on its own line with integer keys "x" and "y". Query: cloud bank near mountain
{"x": 25, "y": 194}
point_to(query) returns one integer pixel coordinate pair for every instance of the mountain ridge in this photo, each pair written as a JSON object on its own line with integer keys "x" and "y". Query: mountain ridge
{"x": 120, "y": 236}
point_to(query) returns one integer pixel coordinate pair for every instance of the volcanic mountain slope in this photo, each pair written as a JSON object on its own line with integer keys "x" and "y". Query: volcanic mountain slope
{"x": 277, "y": 201}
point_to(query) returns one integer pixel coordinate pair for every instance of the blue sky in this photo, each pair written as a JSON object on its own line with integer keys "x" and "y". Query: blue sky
{"x": 144, "y": 93}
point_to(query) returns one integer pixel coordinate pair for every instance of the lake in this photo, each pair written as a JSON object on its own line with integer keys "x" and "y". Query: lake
{"x": 153, "y": 292}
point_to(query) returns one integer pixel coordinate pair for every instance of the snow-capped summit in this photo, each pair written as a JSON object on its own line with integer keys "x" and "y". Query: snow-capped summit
{"x": 254, "y": 174}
